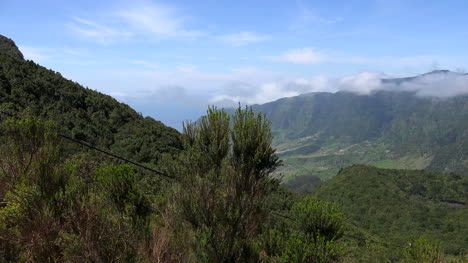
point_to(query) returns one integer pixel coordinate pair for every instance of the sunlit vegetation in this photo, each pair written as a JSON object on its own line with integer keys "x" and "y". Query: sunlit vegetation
{"x": 62, "y": 202}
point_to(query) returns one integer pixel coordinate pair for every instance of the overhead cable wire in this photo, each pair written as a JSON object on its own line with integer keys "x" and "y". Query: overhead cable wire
{"x": 115, "y": 156}
{"x": 88, "y": 145}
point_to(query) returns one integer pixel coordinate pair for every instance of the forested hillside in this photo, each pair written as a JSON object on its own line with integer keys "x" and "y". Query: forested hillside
{"x": 79, "y": 112}
{"x": 319, "y": 133}
{"x": 397, "y": 204}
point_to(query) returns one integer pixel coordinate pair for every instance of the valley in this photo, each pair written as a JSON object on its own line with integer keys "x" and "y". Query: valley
{"x": 320, "y": 133}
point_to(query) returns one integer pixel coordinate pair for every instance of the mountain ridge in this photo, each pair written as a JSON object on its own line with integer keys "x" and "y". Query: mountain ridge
{"x": 319, "y": 133}
{"x": 397, "y": 80}
{"x": 9, "y": 47}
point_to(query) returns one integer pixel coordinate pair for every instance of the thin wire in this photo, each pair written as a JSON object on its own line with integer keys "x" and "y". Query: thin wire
{"x": 108, "y": 153}
{"x": 115, "y": 156}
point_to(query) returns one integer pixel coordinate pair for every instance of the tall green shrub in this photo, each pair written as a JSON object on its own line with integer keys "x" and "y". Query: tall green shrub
{"x": 226, "y": 176}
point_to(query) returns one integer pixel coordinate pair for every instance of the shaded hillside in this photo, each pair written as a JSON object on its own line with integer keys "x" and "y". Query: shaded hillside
{"x": 397, "y": 204}
{"x": 8, "y": 47}
{"x": 80, "y": 112}
{"x": 319, "y": 133}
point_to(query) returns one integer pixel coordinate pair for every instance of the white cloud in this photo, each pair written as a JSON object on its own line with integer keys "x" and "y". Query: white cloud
{"x": 145, "y": 19}
{"x": 95, "y": 31}
{"x": 362, "y": 83}
{"x": 303, "y": 56}
{"x": 264, "y": 93}
{"x": 243, "y": 38}
{"x": 158, "y": 20}
{"x": 435, "y": 85}
{"x": 269, "y": 91}
{"x": 439, "y": 84}
{"x": 35, "y": 54}
{"x": 251, "y": 85}
{"x": 307, "y": 18}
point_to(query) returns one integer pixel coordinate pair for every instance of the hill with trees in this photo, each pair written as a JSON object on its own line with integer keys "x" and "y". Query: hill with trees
{"x": 320, "y": 133}
{"x": 79, "y": 112}
{"x": 395, "y": 205}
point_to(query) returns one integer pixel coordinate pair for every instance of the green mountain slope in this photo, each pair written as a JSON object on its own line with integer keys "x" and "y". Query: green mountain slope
{"x": 319, "y": 133}
{"x": 80, "y": 112}
{"x": 397, "y": 204}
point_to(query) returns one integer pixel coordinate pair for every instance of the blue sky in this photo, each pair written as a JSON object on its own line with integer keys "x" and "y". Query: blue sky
{"x": 170, "y": 59}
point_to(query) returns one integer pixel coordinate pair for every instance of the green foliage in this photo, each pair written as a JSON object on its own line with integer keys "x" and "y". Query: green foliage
{"x": 55, "y": 203}
{"x": 311, "y": 234}
{"x": 317, "y": 225}
{"x": 318, "y": 218}
{"x": 31, "y": 155}
{"x": 393, "y": 205}
{"x": 302, "y": 248}
{"x": 64, "y": 210}
{"x": 119, "y": 183}
{"x": 30, "y": 178}
{"x": 422, "y": 250}
{"x": 226, "y": 178}
{"x": 252, "y": 153}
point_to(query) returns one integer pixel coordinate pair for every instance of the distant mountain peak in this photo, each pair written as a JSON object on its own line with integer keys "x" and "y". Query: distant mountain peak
{"x": 439, "y": 71}
{"x": 8, "y": 47}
